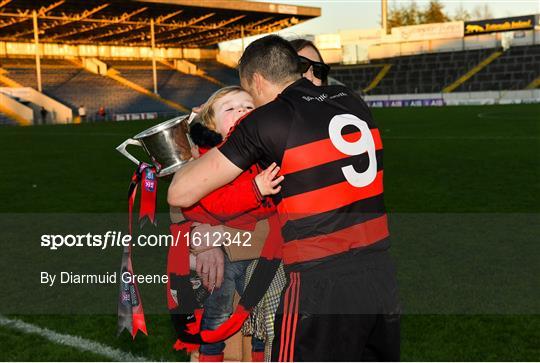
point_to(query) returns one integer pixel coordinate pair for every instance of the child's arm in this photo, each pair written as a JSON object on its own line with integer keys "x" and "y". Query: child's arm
{"x": 243, "y": 195}
{"x": 232, "y": 200}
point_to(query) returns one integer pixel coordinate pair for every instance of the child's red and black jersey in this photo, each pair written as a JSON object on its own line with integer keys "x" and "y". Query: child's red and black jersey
{"x": 331, "y": 200}
{"x": 237, "y": 204}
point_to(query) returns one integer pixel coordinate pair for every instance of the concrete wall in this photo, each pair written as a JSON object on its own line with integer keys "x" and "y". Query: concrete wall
{"x": 332, "y": 55}
{"x": 484, "y": 41}
{"x": 9, "y": 49}
{"x": 94, "y": 65}
{"x": 11, "y": 106}
{"x": 229, "y": 58}
{"x": 185, "y": 66}
{"x": 58, "y": 112}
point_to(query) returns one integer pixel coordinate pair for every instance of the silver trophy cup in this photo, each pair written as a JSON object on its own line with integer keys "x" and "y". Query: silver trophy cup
{"x": 168, "y": 145}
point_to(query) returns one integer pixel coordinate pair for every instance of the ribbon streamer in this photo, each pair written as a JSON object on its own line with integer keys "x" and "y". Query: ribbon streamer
{"x": 130, "y": 308}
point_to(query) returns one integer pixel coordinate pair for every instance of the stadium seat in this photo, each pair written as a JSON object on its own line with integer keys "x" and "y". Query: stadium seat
{"x": 74, "y": 86}
{"x": 188, "y": 90}
{"x": 227, "y": 75}
{"x": 514, "y": 70}
{"x": 430, "y": 73}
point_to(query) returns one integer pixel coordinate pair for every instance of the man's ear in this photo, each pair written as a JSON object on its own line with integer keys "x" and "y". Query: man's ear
{"x": 258, "y": 83}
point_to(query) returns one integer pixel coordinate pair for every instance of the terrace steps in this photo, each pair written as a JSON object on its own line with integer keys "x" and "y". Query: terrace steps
{"x": 464, "y": 78}
{"x": 115, "y": 75}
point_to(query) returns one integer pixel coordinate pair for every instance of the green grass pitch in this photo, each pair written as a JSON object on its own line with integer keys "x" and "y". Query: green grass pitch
{"x": 462, "y": 185}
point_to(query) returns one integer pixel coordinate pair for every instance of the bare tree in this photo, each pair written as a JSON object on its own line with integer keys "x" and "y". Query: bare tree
{"x": 482, "y": 11}
{"x": 461, "y": 14}
{"x": 412, "y": 15}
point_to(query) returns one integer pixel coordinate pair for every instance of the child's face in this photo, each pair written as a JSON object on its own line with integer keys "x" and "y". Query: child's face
{"x": 229, "y": 108}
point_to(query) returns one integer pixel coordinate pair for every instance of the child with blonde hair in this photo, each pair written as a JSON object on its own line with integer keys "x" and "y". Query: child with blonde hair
{"x": 240, "y": 204}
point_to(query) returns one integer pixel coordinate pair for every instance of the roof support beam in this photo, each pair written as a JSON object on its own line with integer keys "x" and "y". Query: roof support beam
{"x": 133, "y": 28}
{"x": 26, "y": 15}
{"x": 200, "y": 25}
{"x": 154, "y": 72}
{"x": 183, "y": 25}
{"x": 215, "y": 27}
{"x": 224, "y": 34}
{"x": 119, "y": 20}
{"x": 36, "y": 46}
{"x": 4, "y": 3}
{"x": 249, "y": 30}
{"x": 68, "y": 20}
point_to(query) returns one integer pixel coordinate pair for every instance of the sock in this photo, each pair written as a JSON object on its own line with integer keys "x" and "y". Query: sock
{"x": 211, "y": 357}
{"x": 257, "y": 356}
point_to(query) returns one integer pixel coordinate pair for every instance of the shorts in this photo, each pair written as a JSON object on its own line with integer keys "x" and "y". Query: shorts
{"x": 346, "y": 309}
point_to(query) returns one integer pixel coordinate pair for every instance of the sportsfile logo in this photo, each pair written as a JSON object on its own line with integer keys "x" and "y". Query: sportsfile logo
{"x": 103, "y": 241}
{"x": 119, "y": 239}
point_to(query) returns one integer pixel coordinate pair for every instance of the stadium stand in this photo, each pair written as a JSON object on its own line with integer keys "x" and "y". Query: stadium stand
{"x": 74, "y": 86}
{"x": 186, "y": 34}
{"x": 219, "y": 71}
{"x": 188, "y": 90}
{"x": 432, "y": 72}
{"x": 169, "y": 30}
{"x": 357, "y": 77}
{"x": 514, "y": 70}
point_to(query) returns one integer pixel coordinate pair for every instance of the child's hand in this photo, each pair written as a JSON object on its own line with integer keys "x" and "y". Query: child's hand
{"x": 267, "y": 182}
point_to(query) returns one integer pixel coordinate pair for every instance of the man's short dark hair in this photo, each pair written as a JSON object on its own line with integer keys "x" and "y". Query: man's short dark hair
{"x": 272, "y": 57}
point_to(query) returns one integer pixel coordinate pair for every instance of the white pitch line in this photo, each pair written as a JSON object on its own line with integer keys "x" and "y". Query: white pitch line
{"x": 70, "y": 340}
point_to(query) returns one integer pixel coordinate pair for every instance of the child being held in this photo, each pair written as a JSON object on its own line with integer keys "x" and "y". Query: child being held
{"x": 240, "y": 204}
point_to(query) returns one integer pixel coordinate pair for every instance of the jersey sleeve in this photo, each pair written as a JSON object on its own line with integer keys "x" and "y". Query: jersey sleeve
{"x": 260, "y": 137}
{"x": 243, "y": 145}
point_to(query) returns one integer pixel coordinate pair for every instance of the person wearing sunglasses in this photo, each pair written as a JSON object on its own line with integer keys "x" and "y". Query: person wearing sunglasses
{"x": 311, "y": 64}
{"x": 261, "y": 322}
{"x": 341, "y": 298}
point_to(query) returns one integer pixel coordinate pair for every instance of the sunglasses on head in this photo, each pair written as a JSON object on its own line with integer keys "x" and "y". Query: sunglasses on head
{"x": 320, "y": 70}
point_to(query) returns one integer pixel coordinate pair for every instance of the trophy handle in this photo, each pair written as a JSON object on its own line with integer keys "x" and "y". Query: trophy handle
{"x": 122, "y": 149}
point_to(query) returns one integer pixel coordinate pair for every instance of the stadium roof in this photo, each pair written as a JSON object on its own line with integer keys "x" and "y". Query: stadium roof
{"x": 178, "y": 23}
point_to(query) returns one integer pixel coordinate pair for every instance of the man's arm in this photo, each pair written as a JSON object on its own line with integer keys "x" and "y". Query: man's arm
{"x": 198, "y": 178}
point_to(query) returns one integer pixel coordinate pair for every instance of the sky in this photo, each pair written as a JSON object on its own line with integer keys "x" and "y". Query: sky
{"x": 360, "y": 14}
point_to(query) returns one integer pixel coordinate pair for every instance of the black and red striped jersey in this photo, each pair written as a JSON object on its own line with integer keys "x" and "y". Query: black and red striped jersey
{"x": 331, "y": 155}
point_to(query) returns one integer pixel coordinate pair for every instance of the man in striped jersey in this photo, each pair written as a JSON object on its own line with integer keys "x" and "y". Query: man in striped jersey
{"x": 341, "y": 300}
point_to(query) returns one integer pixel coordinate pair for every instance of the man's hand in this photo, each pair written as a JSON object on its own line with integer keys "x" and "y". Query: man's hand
{"x": 210, "y": 265}
{"x": 205, "y": 236}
